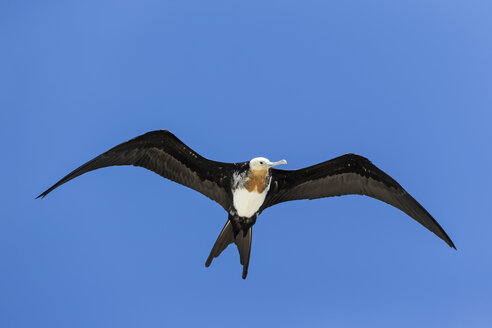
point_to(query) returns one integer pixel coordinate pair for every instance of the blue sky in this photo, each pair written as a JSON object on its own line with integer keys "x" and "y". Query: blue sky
{"x": 405, "y": 83}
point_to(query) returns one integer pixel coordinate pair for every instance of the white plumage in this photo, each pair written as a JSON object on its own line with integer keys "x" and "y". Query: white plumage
{"x": 247, "y": 203}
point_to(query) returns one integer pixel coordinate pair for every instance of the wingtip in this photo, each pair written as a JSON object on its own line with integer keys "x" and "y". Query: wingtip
{"x": 450, "y": 243}
{"x": 447, "y": 240}
{"x": 42, "y": 195}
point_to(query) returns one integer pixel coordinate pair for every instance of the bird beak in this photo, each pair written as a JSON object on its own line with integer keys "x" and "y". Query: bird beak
{"x": 270, "y": 164}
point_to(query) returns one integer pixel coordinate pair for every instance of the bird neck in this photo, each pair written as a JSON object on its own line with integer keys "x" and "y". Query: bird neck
{"x": 257, "y": 180}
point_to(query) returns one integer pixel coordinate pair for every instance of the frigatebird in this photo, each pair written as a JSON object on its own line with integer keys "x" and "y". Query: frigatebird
{"x": 245, "y": 189}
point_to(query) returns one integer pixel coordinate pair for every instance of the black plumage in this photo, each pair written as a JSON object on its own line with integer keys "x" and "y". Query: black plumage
{"x": 348, "y": 174}
{"x": 163, "y": 153}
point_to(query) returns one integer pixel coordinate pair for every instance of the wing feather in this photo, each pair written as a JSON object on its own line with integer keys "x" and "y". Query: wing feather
{"x": 346, "y": 175}
{"x": 163, "y": 153}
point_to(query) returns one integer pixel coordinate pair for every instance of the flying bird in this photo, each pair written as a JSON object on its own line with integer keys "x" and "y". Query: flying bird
{"x": 245, "y": 189}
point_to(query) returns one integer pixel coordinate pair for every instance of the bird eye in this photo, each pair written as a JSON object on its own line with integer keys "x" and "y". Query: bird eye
{"x": 261, "y": 163}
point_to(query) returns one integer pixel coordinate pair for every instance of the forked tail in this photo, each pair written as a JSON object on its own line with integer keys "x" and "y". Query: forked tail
{"x": 236, "y": 233}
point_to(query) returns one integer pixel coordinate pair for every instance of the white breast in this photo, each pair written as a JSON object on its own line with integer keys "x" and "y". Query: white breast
{"x": 248, "y": 203}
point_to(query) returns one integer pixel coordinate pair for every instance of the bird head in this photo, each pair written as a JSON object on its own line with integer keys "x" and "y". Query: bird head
{"x": 262, "y": 163}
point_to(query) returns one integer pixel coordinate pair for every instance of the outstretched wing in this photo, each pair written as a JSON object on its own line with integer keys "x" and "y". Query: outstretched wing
{"x": 345, "y": 175}
{"x": 163, "y": 153}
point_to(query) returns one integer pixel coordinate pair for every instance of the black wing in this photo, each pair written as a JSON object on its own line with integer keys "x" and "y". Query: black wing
{"x": 163, "y": 153}
{"x": 345, "y": 175}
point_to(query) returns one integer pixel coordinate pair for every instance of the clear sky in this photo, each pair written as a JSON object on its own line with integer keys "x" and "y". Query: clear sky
{"x": 407, "y": 84}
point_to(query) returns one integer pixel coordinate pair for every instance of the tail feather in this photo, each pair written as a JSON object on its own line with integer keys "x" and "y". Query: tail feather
{"x": 243, "y": 243}
{"x": 225, "y": 238}
{"x": 233, "y": 234}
